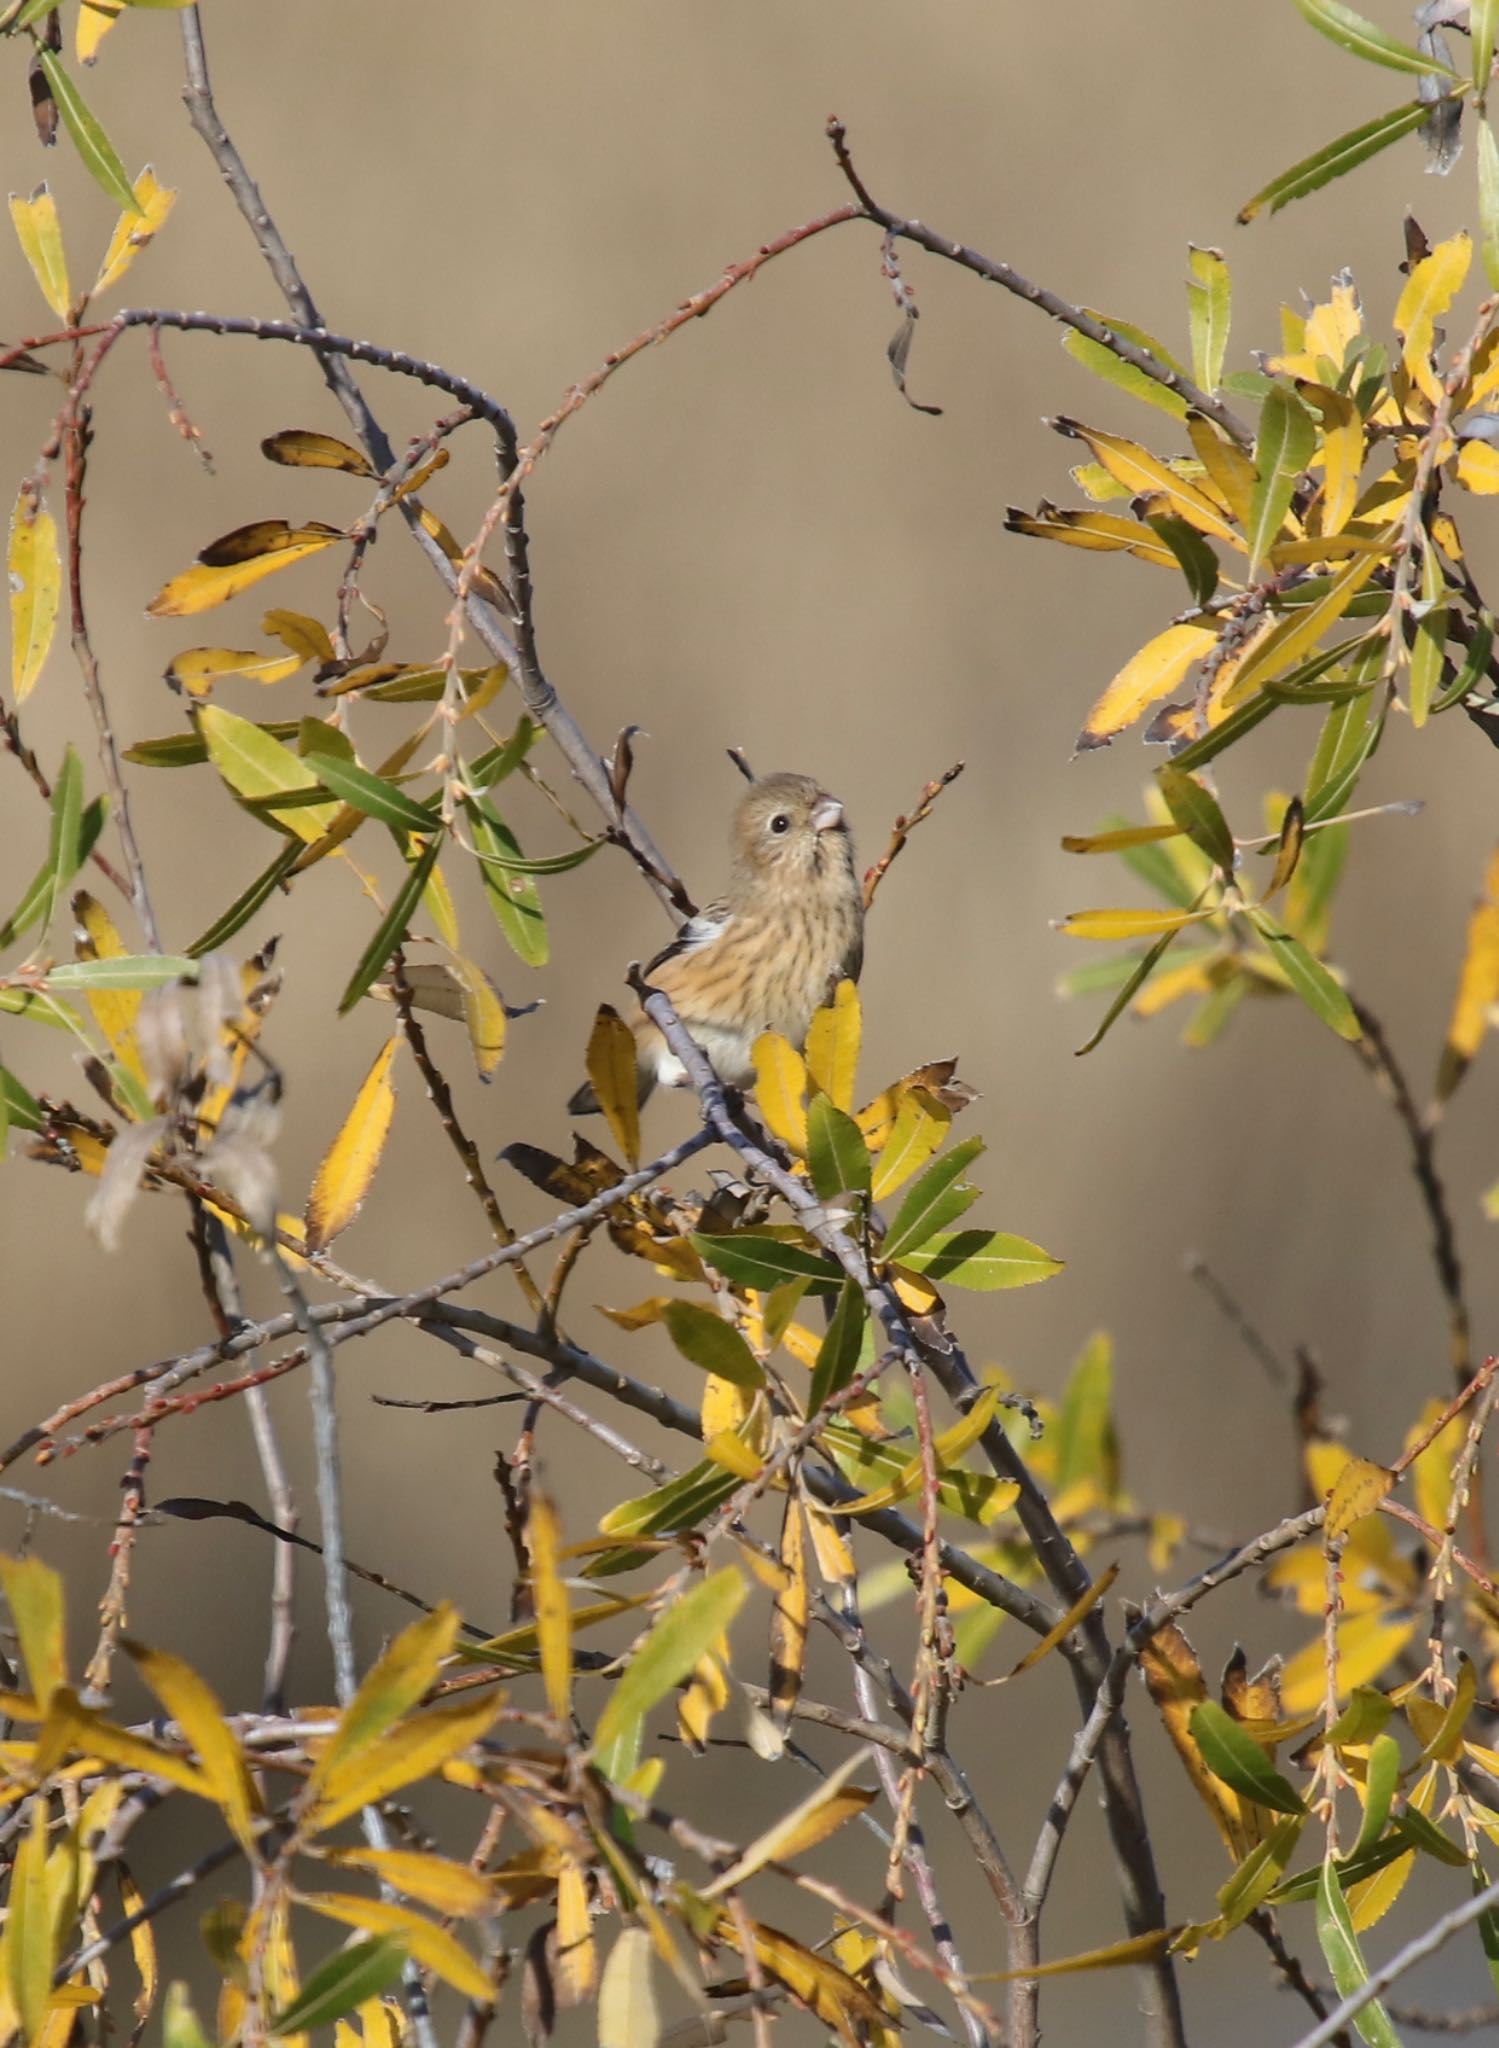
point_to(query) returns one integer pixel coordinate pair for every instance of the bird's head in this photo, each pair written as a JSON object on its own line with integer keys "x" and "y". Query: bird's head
{"x": 789, "y": 831}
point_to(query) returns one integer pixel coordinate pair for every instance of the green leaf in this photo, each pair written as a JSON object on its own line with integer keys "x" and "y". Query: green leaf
{"x": 1138, "y": 976}
{"x": 365, "y": 1969}
{"x": 1333, "y": 160}
{"x": 368, "y": 793}
{"x": 1361, "y": 38}
{"x": 938, "y": 1198}
{"x": 71, "y": 839}
{"x": 1198, "y": 562}
{"x": 984, "y": 1260}
{"x": 1488, "y": 1922}
{"x": 756, "y": 1259}
{"x": 180, "y": 2025}
{"x": 99, "y": 155}
{"x": 124, "y": 971}
{"x": 1488, "y": 197}
{"x": 265, "y": 775}
{"x": 547, "y": 864}
{"x": 1233, "y": 1755}
{"x": 1345, "y": 1960}
{"x": 1317, "y": 988}
{"x": 1347, "y": 740}
{"x": 1086, "y": 1444}
{"x": 244, "y": 907}
{"x": 680, "y": 1504}
{"x": 1475, "y": 663}
{"x": 680, "y": 1639}
{"x": 1483, "y": 21}
{"x": 837, "y": 1156}
{"x": 707, "y": 1340}
{"x": 838, "y": 1353}
{"x": 491, "y": 768}
{"x": 1285, "y": 444}
{"x": 392, "y": 926}
{"x": 1424, "y": 1835}
{"x": 1379, "y": 1790}
{"x": 1195, "y": 809}
{"x": 21, "y": 1107}
{"x": 1209, "y": 302}
{"x": 512, "y": 897}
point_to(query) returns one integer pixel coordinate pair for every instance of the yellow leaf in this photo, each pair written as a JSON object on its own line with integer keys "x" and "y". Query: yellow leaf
{"x": 819, "y": 1815}
{"x": 30, "y": 1933}
{"x": 1062, "y": 1629}
{"x": 1429, "y": 290}
{"x": 483, "y": 1016}
{"x": 833, "y": 1046}
{"x": 193, "y": 1706}
{"x": 34, "y": 1595}
{"x": 197, "y": 669}
{"x": 1361, "y": 1486}
{"x": 837, "y": 1999}
{"x": 612, "y": 1069}
{"x": 1098, "y": 532}
{"x": 259, "y": 768}
{"x": 432, "y": 1946}
{"x": 348, "y": 1167}
{"x": 780, "y": 1088}
{"x": 628, "y": 2014}
{"x": 921, "y": 1124}
{"x": 788, "y": 1617}
{"x": 35, "y": 568}
{"x": 1431, "y": 1473}
{"x": 142, "y": 1942}
{"x": 133, "y": 230}
{"x": 95, "y": 19}
{"x": 414, "y": 1750}
{"x": 113, "y": 1010}
{"x": 724, "y": 1408}
{"x": 1110, "y": 925}
{"x": 577, "y": 1958}
{"x": 445, "y": 1886}
{"x": 40, "y": 234}
{"x": 437, "y": 898}
{"x": 734, "y": 1454}
{"x": 1366, "y": 1644}
{"x": 1146, "y": 677}
{"x": 705, "y": 1695}
{"x": 1342, "y": 454}
{"x": 207, "y": 584}
{"x": 1144, "y": 474}
{"x": 304, "y": 636}
{"x": 408, "y": 1669}
{"x": 1478, "y": 467}
{"x": 549, "y": 1603}
{"x": 72, "y": 1727}
{"x": 1477, "y": 993}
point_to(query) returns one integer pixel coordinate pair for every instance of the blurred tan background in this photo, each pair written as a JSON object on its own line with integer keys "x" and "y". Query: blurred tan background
{"x": 749, "y": 539}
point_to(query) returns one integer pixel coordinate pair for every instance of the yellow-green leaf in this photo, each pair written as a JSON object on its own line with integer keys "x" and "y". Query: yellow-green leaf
{"x": 1282, "y": 450}
{"x": 193, "y": 1706}
{"x": 715, "y": 1345}
{"x": 30, "y": 1931}
{"x": 408, "y": 1669}
{"x": 35, "y": 568}
{"x": 1357, "y": 1492}
{"x": 39, "y": 232}
{"x": 416, "y": 1749}
{"x": 1477, "y": 994}
{"x": 676, "y": 1643}
{"x": 134, "y": 230}
{"x": 1209, "y": 304}
{"x": 259, "y": 768}
{"x": 348, "y": 1167}
{"x": 922, "y": 1122}
{"x": 1113, "y": 925}
{"x": 819, "y": 1815}
{"x": 612, "y": 1069}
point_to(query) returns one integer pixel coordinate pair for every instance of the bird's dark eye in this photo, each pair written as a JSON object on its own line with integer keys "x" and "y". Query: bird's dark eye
{"x": 780, "y": 822}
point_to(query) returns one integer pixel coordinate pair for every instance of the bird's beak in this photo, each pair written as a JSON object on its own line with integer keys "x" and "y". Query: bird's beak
{"x": 827, "y": 814}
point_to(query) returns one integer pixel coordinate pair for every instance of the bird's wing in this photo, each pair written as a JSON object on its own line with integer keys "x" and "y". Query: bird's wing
{"x": 697, "y": 931}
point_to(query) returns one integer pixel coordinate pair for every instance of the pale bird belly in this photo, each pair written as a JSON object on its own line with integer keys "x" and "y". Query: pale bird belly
{"x": 728, "y": 1054}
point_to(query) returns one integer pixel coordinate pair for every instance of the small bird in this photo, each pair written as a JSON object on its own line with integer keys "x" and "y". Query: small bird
{"x": 763, "y": 957}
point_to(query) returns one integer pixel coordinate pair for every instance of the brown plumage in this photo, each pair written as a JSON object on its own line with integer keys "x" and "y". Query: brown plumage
{"x": 762, "y": 958}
